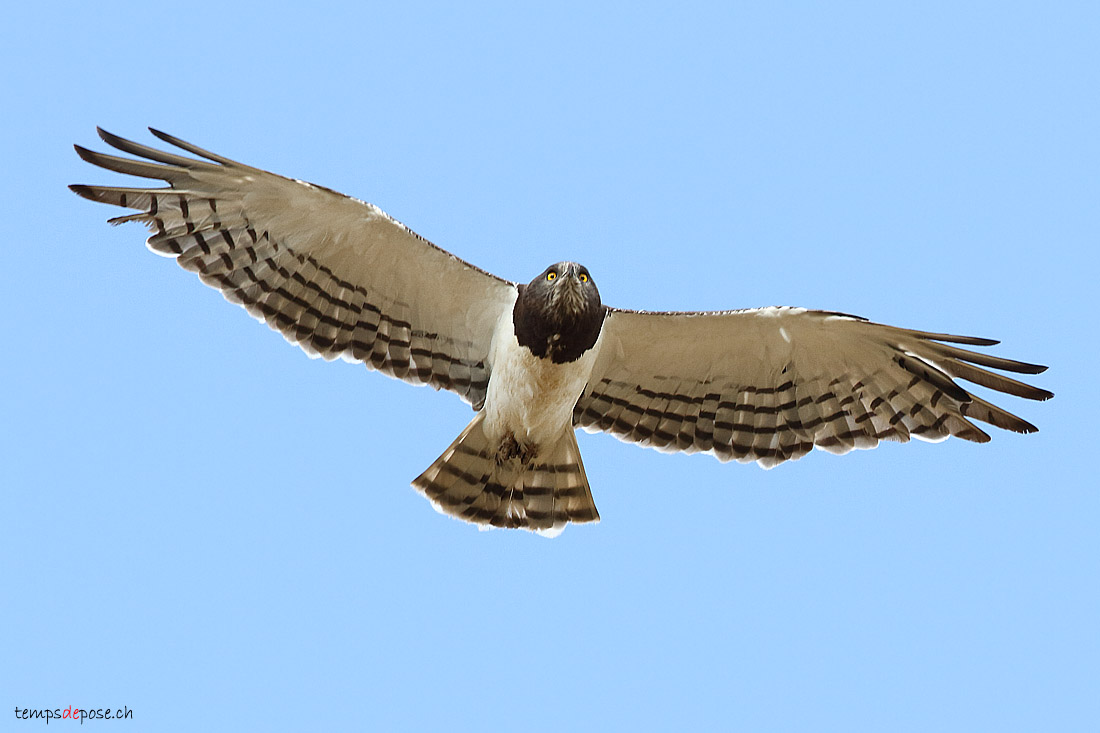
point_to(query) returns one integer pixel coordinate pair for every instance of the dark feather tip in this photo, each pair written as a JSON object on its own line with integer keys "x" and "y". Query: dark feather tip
{"x": 85, "y": 154}
{"x": 83, "y": 191}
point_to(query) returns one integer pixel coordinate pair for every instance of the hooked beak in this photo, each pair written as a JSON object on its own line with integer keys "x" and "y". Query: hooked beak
{"x": 571, "y": 277}
{"x": 569, "y": 288}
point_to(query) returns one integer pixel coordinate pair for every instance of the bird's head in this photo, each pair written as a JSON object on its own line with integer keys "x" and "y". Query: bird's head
{"x": 559, "y": 312}
{"x": 566, "y": 288}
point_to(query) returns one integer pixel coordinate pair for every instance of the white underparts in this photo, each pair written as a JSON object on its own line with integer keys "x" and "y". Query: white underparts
{"x": 531, "y": 398}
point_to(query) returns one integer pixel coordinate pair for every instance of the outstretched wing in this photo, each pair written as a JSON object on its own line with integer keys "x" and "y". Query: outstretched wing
{"x": 335, "y": 275}
{"x": 769, "y": 384}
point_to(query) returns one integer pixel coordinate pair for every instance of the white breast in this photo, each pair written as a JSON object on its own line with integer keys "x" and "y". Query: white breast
{"x": 530, "y": 397}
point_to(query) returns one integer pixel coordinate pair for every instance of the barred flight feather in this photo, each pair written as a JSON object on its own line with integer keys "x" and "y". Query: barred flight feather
{"x": 470, "y": 482}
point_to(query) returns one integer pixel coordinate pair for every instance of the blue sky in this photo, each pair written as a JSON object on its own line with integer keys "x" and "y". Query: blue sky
{"x": 206, "y": 526}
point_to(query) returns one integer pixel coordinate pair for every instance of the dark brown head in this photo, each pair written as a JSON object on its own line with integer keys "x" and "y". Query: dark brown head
{"x": 559, "y": 314}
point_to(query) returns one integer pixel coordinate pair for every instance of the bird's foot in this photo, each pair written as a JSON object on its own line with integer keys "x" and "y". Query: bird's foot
{"x": 511, "y": 448}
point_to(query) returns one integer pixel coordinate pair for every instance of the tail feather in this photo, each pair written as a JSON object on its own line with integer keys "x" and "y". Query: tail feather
{"x": 469, "y": 482}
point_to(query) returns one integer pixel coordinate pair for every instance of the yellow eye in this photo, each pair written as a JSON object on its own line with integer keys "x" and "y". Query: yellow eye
{"x": 550, "y": 276}
{"x": 584, "y": 278}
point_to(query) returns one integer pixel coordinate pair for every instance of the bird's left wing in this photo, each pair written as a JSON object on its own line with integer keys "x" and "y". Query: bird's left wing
{"x": 770, "y": 384}
{"x": 335, "y": 275}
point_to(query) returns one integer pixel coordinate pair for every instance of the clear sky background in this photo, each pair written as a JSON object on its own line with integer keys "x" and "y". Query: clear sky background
{"x": 204, "y": 525}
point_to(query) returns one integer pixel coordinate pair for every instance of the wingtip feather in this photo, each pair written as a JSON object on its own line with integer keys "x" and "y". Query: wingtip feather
{"x": 955, "y": 339}
{"x": 83, "y": 190}
{"x": 194, "y": 149}
{"x": 88, "y": 156}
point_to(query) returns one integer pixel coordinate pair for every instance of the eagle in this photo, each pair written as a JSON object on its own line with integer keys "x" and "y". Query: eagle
{"x": 340, "y": 278}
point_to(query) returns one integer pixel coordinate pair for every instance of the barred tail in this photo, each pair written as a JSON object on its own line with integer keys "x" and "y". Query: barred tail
{"x": 469, "y": 482}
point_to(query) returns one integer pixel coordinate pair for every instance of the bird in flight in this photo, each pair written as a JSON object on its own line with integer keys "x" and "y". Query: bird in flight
{"x": 340, "y": 278}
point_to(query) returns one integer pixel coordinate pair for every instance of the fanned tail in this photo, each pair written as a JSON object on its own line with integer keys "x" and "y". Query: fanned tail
{"x": 470, "y": 482}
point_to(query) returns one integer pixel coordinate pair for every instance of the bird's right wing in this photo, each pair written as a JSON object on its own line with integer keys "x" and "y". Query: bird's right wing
{"x": 333, "y": 274}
